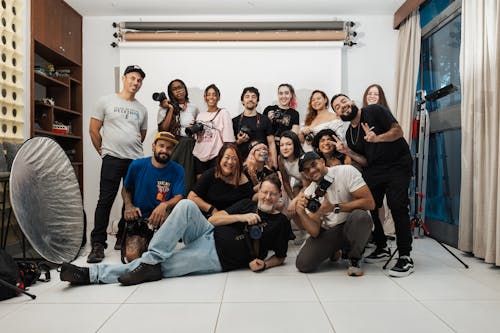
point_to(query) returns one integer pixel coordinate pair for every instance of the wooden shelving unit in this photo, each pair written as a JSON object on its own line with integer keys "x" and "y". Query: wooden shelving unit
{"x": 56, "y": 31}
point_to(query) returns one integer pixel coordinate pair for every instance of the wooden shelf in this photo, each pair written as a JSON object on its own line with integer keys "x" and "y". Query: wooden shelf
{"x": 56, "y": 31}
{"x": 50, "y": 81}
{"x": 58, "y": 135}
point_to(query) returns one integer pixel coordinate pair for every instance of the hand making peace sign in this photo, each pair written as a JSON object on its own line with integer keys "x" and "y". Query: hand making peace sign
{"x": 370, "y": 135}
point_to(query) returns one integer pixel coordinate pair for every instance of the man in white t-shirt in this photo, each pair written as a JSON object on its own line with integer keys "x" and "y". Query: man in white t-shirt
{"x": 117, "y": 129}
{"x": 333, "y": 210}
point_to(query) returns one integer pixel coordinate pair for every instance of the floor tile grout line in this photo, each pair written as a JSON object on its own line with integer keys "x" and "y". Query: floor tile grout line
{"x": 221, "y": 302}
{"x": 109, "y": 317}
{"x": 321, "y": 303}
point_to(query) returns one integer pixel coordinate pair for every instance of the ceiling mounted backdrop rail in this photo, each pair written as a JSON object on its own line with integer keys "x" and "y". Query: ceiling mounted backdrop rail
{"x": 234, "y": 31}
{"x": 233, "y": 26}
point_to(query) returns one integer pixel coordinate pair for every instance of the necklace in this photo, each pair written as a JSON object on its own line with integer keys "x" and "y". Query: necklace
{"x": 352, "y": 138}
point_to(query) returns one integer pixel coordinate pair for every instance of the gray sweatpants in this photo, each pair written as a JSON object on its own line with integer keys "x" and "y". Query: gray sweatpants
{"x": 351, "y": 235}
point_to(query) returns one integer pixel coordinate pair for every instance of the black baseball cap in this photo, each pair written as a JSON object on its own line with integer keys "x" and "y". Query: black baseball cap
{"x": 134, "y": 68}
{"x": 309, "y": 156}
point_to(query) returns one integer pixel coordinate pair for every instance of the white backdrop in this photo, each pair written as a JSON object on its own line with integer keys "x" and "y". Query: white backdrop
{"x": 233, "y": 66}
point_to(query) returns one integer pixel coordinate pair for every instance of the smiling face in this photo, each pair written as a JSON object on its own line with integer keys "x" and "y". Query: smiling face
{"x": 315, "y": 169}
{"x": 229, "y": 162}
{"x": 373, "y": 95}
{"x": 211, "y": 98}
{"x": 326, "y": 144}
{"x": 342, "y": 106}
{"x": 250, "y": 100}
{"x": 268, "y": 196}
{"x": 318, "y": 101}
{"x": 284, "y": 97}
{"x": 132, "y": 82}
{"x": 261, "y": 153}
{"x": 286, "y": 147}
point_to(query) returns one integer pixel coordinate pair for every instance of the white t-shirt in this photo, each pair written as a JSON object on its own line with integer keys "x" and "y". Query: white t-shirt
{"x": 217, "y": 130}
{"x": 186, "y": 117}
{"x": 346, "y": 179}
{"x": 122, "y": 122}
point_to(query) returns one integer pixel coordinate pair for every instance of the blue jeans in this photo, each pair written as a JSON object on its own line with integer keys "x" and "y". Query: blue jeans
{"x": 199, "y": 254}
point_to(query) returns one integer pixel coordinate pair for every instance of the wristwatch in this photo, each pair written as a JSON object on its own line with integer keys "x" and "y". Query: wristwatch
{"x": 210, "y": 211}
{"x": 336, "y": 210}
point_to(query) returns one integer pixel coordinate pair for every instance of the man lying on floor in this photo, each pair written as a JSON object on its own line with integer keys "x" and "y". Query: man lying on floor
{"x": 237, "y": 237}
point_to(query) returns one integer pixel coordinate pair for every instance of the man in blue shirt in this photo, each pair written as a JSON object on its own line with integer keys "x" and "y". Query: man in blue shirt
{"x": 154, "y": 185}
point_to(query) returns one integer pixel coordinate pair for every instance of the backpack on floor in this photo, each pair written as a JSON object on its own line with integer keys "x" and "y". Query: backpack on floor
{"x": 9, "y": 273}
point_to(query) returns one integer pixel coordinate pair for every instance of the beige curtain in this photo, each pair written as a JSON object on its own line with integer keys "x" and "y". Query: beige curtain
{"x": 408, "y": 59}
{"x": 479, "y": 229}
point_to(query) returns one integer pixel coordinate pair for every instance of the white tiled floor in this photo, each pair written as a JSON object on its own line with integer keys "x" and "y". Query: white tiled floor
{"x": 441, "y": 296}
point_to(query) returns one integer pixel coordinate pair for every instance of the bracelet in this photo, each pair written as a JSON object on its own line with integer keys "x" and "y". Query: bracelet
{"x": 262, "y": 269}
{"x": 210, "y": 210}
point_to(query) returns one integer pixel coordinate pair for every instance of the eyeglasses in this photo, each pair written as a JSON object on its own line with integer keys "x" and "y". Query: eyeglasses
{"x": 271, "y": 194}
{"x": 177, "y": 88}
{"x": 262, "y": 149}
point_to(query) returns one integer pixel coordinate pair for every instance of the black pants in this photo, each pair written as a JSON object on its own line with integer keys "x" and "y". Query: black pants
{"x": 113, "y": 170}
{"x": 393, "y": 184}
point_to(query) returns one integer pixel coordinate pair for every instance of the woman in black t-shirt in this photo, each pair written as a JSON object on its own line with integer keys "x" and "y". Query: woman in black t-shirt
{"x": 283, "y": 116}
{"x": 223, "y": 185}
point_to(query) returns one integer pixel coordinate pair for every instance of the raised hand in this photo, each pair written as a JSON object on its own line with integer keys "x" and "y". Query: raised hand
{"x": 340, "y": 145}
{"x": 370, "y": 135}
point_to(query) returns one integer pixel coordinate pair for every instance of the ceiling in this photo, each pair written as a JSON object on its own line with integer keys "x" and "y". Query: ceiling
{"x": 234, "y": 7}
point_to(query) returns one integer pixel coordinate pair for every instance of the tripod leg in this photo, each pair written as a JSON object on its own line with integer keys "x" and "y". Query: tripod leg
{"x": 19, "y": 290}
{"x": 447, "y": 249}
{"x": 390, "y": 258}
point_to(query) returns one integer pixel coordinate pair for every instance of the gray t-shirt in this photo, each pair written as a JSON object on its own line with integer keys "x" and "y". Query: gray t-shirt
{"x": 122, "y": 124}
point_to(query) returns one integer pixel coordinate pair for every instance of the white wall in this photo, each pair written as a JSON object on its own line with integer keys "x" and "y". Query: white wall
{"x": 371, "y": 61}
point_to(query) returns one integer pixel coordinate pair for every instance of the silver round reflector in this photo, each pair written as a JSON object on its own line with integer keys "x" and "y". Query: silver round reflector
{"x": 46, "y": 199}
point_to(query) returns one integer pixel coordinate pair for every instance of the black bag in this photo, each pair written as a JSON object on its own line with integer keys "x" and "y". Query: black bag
{"x": 9, "y": 273}
{"x": 135, "y": 239}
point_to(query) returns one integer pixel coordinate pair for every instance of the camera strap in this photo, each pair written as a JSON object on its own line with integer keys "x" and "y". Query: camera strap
{"x": 256, "y": 124}
{"x": 323, "y": 185}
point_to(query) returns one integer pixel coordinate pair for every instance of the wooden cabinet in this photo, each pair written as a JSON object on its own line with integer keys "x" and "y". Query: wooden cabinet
{"x": 56, "y": 77}
{"x": 59, "y": 27}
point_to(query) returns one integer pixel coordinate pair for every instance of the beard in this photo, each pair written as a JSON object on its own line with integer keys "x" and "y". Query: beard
{"x": 352, "y": 115}
{"x": 162, "y": 160}
{"x": 265, "y": 207}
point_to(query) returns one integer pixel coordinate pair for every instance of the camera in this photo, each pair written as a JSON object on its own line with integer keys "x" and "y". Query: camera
{"x": 139, "y": 226}
{"x": 159, "y": 96}
{"x": 255, "y": 231}
{"x": 245, "y": 130}
{"x": 278, "y": 114}
{"x": 195, "y": 128}
{"x": 313, "y": 203}
{"x": 309, "y": 137}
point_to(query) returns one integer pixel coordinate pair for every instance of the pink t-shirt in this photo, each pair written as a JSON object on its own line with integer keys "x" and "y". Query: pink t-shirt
{"x": 216, "y": 131}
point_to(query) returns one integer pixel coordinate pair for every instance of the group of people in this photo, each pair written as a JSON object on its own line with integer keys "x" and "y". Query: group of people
{"x": 247, "y": 180}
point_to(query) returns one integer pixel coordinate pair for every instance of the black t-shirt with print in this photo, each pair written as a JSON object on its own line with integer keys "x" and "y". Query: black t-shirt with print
{"x": 260, "y": 128}
{"x": 289, "y": 118}
{"x": 233, "y": 244}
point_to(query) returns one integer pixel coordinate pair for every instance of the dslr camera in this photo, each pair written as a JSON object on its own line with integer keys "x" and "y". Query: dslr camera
{"x": 245, "y": 130}
{"x": 255, "y": 230}
{"x": 159, "y": 96}
{"x": 197, "y": 127}
{"x": 309, "y": 137}
{"x": 278, "y": 114}
{"x": 313, "y": 203}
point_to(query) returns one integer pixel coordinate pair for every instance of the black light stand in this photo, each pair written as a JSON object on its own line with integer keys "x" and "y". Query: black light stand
{"x": 420, "y": 133}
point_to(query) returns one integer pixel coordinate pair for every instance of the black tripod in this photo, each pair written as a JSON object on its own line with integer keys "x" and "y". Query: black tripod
{"x": 421, "y": 136}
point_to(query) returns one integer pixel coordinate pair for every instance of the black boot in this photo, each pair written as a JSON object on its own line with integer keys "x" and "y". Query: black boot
{"x": 140, "y": 274}
{"x": 74, "y": 274}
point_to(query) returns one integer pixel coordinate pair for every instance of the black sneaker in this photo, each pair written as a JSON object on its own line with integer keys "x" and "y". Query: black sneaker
{"x": 354, "y": 267}
{"x": 140, "y": 274}
{"x": 404, "y": 267}
{"x": 118, "y": 244}
{"x": 74, "y": 274}
{"x": 97, "y": 253}
{"x": 378, "y": 255}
